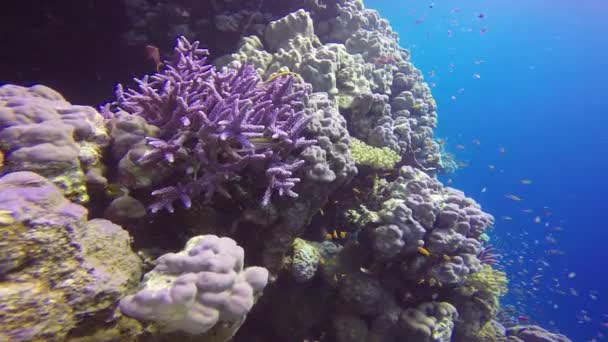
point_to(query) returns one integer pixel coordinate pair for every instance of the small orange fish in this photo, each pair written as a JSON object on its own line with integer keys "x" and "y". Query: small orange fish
{"x": 423, "y": 251}
{"x": 153, "y": 54}
{"x": 462, "y": 164}
{"x": 513, "y": 197}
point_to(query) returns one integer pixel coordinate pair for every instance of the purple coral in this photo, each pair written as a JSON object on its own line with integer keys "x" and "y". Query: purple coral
{"x": 214, "y": 124}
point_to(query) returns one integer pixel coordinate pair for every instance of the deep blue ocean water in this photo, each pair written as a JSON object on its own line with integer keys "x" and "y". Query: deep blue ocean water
{"x": 541, "y": 95}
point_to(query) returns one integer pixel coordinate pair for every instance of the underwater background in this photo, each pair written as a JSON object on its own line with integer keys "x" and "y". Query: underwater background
{"x": 541, "y": 96}
{"x": 519, "y": 88}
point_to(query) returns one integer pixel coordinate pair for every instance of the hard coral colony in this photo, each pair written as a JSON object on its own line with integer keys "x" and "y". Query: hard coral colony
{"x": 215, "y": 124}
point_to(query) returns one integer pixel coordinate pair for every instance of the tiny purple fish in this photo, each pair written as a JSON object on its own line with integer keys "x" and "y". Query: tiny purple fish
{"x": 450, "y": 33}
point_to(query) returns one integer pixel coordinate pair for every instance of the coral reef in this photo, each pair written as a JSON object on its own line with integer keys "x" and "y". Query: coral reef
{"x": 348, "y": 69}
{"x": 301, "y": 139}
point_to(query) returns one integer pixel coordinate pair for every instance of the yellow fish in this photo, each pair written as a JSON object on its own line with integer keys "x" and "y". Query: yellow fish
{"x": 335, "y": 235}
{"x": 423, "y": 251}
{"x": 446, "y": 257}
{"x": 282, "y": 73}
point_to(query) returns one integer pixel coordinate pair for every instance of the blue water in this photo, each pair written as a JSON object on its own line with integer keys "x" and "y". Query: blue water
{"x": 541, "y": 95}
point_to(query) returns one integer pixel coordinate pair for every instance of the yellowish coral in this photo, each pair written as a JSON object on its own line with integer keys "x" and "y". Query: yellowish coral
{"x": 377, "y": 158}
{"x": 489, "y": 280}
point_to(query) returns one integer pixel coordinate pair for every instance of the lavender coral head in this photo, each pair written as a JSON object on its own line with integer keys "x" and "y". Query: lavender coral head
{"x": 215, "y": 124}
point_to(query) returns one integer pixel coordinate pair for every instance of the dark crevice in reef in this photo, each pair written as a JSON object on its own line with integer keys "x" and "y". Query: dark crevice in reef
{"x": 75, "y": 47}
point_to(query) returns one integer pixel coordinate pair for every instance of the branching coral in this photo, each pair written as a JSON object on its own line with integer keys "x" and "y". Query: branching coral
{"x": 214, "y": 124}
{"x": 377, "y": 158}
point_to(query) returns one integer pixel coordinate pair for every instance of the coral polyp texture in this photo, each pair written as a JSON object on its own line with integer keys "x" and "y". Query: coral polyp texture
{"x": 215, "y": 124}
{"x": 195, "y": 289}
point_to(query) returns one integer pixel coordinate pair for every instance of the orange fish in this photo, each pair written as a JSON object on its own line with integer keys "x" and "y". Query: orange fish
{"x": 153, "y": 54}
